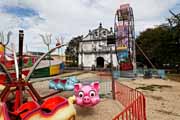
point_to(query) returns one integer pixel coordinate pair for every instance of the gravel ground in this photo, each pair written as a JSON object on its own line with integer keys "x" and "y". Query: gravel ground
{"x": 105, "y": 110}
{"x": 162, "y": 97}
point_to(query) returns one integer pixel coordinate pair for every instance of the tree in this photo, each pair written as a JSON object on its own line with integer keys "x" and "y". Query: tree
{"x": 72, "y": 50}
{"x": 160, "y": 44}
{"x": 175, "y": 19}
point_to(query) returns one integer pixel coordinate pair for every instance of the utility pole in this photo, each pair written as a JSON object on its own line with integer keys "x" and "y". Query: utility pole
{"x": 47, "y": 42}
{"x": 113, "y": 80}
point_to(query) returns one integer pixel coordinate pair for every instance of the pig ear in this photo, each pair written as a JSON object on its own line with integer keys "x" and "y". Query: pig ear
{"x": 77, "y": 87}
{"x": 95, "y": 85}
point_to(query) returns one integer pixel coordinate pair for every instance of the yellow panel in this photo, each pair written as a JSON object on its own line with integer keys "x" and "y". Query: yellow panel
{"x": 54, "y": 70}
{"x": 1, "y": 48}
{"x": 121, "y": 48}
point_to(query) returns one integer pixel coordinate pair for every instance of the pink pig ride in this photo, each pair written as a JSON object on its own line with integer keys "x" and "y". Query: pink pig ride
{"x": 87, "y": 95}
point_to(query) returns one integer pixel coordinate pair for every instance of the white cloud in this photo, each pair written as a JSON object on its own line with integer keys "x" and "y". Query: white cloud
{"x": 75, "y": 17}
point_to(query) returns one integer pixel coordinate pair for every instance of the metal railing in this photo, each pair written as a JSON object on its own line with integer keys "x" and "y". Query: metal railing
{"x": 133, "y": 102}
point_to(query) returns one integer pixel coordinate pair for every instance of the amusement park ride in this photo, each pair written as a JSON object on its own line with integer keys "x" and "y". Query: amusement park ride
{"x": 15, "y": 105}
{"x": 125, "y": 38}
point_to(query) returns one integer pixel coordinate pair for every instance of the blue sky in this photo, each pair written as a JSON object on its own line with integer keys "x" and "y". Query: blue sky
{"x": 70, "y": 18}
{"x": 20, "y": 11}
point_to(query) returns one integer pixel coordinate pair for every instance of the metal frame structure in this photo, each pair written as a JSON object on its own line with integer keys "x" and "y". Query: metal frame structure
{"x": 125, "y": 34}
{"x": 19, "y": 86}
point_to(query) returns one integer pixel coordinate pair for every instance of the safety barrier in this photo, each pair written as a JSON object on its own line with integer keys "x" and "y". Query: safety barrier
{"x": 133, "y": 102}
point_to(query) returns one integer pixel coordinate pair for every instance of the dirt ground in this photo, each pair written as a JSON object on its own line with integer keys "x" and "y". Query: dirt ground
{"x": 162, "y": 97}
{"x": 105, "y": 110}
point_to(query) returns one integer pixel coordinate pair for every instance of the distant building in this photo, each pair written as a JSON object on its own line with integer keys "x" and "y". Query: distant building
{"x": 94, "y": 50}
{"x": 32, "y": 53}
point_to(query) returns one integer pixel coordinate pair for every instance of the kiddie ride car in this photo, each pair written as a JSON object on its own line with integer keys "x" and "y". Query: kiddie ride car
{"x": 87, "y": 95}
{"x": 66, "y": 84}
{"x": 15, "y": 105}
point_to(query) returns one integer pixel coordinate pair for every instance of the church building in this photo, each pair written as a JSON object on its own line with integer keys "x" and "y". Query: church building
{"x": 94, "y": 50}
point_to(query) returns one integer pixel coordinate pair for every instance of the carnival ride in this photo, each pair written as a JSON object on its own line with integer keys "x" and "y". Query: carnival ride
{"x": 66, "y": 84}
{"x": 125, "y": 38}
{"x": 43, "y": 70}
{"x": 87, "y": 95}
{"x": 7, "y": 58}
{"x": 8, "y": 61}
{"x": 16, "y": 105}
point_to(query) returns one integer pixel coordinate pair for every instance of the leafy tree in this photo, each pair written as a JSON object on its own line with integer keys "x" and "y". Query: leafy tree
{"x": 72, "y": 50}
{"x": 161, "y": 44}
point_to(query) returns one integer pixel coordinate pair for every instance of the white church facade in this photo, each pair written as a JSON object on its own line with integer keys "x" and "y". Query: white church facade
{"x": 94, "y": 50}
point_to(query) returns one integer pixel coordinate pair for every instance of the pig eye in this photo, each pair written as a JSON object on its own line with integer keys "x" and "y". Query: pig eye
{"x": 81, "y": 94}
{"x": 92, "y": 93}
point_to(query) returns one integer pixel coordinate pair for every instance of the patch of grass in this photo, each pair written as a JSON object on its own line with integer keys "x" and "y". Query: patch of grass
{"x": 154, "y": 87}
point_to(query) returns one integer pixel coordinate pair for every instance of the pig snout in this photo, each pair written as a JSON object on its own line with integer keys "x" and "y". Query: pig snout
{"x": 86, "y": 100}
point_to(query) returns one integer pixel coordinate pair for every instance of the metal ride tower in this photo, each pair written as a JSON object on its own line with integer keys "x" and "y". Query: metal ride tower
{"x": 125, "y": 38}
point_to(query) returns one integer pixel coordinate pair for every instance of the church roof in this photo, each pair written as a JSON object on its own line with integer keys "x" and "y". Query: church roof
{"x": 98, "y": 33}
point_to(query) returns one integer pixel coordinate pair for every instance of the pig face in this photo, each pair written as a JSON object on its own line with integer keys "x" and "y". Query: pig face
{"x": 87, "y": 95}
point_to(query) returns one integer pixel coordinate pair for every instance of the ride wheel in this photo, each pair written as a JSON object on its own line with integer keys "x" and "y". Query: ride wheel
{"x": 16, "y": 92}
{"x": 125, "y": 37}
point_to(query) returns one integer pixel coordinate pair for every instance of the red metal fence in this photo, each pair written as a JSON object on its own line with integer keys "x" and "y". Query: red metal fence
{"x": 133, "y": 102}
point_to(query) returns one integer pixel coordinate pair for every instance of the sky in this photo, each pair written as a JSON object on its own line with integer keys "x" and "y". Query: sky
{"x": 70, "y": 18}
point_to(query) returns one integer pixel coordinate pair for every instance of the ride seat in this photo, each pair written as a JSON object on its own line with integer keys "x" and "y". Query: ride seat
{"x": 26, "y": 108}
{"x": 52, "y": 103}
